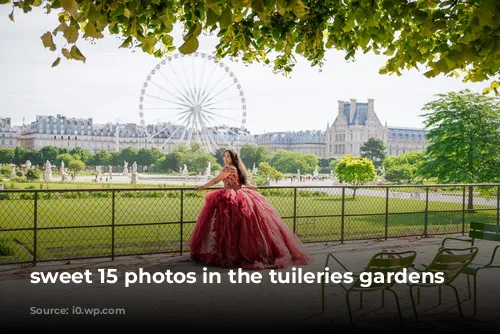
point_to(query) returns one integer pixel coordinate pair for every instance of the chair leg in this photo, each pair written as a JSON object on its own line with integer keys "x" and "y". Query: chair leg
{"x": 468, "y": 286}
{"x": 439, "y": 294}
{"x": 349, "y": 308}
{"x": 323, "y": 296}
{"x": 475, "y": 293}
{"x": 397, "y": 304}
{"x": 458, "y": 300}
{"x": 413, "y": 302}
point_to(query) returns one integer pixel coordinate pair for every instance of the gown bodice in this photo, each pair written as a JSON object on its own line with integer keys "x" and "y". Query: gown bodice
{"x": 233, "y": 180}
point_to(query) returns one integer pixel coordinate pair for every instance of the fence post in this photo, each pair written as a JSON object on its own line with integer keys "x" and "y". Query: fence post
{"x": 35, "y": 219}
{"x": 463, "y": 212}
{"x": 181, "y": 228}
{"x": 426, "y": 215}
{"x": 386, "y": 212}
{"x": 342, "y": 217}
{"x": 113, "y": 225}
{"x": 295, "y": 210}
{"x": 498, "y": 205}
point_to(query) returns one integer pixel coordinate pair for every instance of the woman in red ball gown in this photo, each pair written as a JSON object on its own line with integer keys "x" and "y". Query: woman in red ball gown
{"x": 238, "y": 228}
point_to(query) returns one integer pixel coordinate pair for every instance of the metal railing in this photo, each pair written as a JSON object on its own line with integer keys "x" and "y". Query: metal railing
{"x": 69, "y": 224}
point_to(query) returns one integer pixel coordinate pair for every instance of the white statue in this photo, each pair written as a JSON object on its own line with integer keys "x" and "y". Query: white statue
{"x": 28, "y": 164}
{"x": 185, "y": 171}
{"x": 208, "y": 170}
{"x": 315, "y": 173}
{"x": 125, "y": 168}
{"x": 134, "y": 168}
{"x": 48, "y": 171}
{"x": 110, "y": 170}
{"x": 63, "y": 171}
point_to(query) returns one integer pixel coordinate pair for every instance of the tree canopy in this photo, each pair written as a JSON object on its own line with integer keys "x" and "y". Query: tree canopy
{"x": 355, "y": 171}
{"x": 374, "y": 149}
{"x": 450, "y": 37}
{"x": 464, "y": 138}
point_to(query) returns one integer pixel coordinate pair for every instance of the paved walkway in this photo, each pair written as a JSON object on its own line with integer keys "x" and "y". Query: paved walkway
{"x": 238, "y": 306}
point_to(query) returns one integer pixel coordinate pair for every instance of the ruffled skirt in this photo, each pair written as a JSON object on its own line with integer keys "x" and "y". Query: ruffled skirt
{"x": 240, "y": 228}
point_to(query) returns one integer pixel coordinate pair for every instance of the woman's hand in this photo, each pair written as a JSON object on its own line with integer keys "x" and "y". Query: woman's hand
{"x": 200, "y": 188}
{"x": 252, "y": 187}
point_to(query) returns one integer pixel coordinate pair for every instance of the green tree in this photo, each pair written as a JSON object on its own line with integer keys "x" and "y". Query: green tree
{"x": 49, "y": 153}
{"x": 400, "y": 173}
{"x": 355, "y": 171}
{"x": 83, "y": 154}
{"x": 129, "y": 155}
{"x": 333, "y": 164}
{"x": 34, "y": 156}
{"x": 76, "y": 165}
{"x": 170, "y": 162}
{"x": 403, "y": 167}
{"x": 464, "y": 139}
{"x": 147, "y": 157}
{"x": 251, "y": 154}
{"x": 18, "y": 155}
{"x": 34, "y": 174}
{"x": 66, "y": 157}
{"x": 6, "y": 155}
{"x": 374, "y": 149}
{"x": 447, "y": 37}
{"x": 265, "y": 172}
{"x": 101, "y": 158}
{"x": 289, "y": 162}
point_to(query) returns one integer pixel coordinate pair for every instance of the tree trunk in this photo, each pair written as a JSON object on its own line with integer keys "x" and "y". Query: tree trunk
{"x": 470, "y": 204}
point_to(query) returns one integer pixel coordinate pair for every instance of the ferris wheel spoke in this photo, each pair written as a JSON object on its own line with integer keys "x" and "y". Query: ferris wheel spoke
{"x": 190, "y": 91}
{"x": 168, "y": 92}
{"x": 185, "y": 127}
{"x": 207, "y": 138}
{"x": 207, "y": 85}
{"x": 222, "y": 91}
{"x": 228, "y": 118}
{"x": 201, "y": 80}
{"x": 220, "y": 108}
{"x": 186, "y": 99}
{"x": 173, "y": 123}
{"x": 205, "y": 96}
{"x": 211, "y": 141}
{"x": 162, "y": 99}
{"x": 208, "y": 118}
{"x": 180, "y": 82}
{"x": 219, "y": 101}
{"x": 172, "y": 134}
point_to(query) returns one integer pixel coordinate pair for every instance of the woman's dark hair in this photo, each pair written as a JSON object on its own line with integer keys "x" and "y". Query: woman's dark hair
{"x": 240, "y": 166}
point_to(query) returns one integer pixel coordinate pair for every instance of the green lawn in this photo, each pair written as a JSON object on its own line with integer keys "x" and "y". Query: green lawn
{"x": 83, "y": 209}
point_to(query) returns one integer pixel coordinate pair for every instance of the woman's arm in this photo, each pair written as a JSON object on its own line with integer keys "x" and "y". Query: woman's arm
{"x": 222, "y": 175}
{"x": 250, "y": 186}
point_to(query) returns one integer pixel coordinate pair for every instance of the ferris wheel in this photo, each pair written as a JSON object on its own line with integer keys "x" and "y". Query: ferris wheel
{"x": 192, "y": 98}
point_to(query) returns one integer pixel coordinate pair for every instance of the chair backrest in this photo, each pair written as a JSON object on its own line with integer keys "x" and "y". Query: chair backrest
{"x": 384, "y": 263}
{"x": 451, "y": 262}
{"x": 484, "y": 231}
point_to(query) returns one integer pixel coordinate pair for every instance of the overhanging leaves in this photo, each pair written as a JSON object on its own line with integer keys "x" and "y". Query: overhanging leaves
{"x": 439, "y": 37}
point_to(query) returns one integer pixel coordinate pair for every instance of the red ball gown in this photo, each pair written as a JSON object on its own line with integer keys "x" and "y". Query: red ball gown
{"x": 238, "y": 228}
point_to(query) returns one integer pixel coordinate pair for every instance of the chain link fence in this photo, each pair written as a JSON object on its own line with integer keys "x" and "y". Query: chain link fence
{"x": 56, "y": 225}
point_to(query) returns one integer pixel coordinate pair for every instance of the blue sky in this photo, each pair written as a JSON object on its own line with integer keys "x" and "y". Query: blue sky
{"x": 108, "y": 86}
